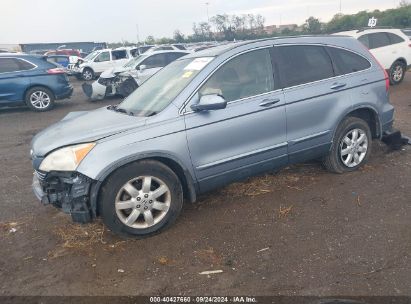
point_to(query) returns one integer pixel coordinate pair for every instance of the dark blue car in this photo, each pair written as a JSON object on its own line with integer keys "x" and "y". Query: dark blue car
{"x": 31, "y": 80}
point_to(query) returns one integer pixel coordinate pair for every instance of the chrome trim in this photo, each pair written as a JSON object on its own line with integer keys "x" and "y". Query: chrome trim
{"x": 35, "y": 66}
{"x": 238, "y": 157}
{"x": 180, "y": 111}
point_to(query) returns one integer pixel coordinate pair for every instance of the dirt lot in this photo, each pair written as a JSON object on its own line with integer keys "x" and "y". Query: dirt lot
{"x": 302, "y": 231}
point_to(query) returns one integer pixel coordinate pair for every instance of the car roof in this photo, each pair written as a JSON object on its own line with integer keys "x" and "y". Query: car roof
{"x": 221, "y": 49}
{"x": 20, "y": 55}
{"x": 167, "y": 51}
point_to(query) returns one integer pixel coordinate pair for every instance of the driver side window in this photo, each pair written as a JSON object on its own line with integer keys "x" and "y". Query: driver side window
{"x": 244, "y": 76}
{"x": 105, "y": 56}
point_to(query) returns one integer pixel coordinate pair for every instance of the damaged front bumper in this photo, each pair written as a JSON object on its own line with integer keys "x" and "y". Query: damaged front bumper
{"x": 69, "y": 191}
{"x": 96, "y": 91}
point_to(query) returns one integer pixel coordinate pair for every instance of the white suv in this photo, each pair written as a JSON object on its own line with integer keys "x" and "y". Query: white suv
{"x": 99, "y": 61}
{"x": 391, "y": 47}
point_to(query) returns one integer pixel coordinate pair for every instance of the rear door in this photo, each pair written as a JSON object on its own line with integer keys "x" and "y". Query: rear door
{"x": 313, "y": 97}
{"x": 249, "y": 135}
{"x": 119, "y": 58}
{"x": 14, "y": 79}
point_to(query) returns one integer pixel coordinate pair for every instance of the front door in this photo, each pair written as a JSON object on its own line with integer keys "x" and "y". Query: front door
{"x": 249, "y": 135}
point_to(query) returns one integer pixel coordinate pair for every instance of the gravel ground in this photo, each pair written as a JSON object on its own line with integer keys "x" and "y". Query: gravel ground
{"x": 302, "y": 231}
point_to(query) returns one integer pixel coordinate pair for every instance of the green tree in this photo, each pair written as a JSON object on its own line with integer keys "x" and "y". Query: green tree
{"x": 312, "y": 25}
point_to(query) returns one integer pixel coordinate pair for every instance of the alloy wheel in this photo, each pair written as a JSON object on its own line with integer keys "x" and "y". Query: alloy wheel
{"x": 40, "y": 99}
{"x": 143, "y": 202}
{"x": 397, "y": 73}
{"x": 353, "y": 148}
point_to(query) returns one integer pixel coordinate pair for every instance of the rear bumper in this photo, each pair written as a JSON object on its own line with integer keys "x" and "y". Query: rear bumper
{"x": 68, "y": 191}
{"x": 66, "y": 93}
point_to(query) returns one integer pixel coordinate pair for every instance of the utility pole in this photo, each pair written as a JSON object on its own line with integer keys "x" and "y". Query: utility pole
{"x": 340, "y": 7}
{"x": 138, "y": 33}
{"x": 208, "y": 16}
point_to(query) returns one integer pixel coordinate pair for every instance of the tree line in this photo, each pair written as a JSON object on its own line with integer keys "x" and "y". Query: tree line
{"x": 252, "y": 26}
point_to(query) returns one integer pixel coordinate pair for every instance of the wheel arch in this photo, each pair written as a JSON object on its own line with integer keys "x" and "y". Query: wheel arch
{"x": 34, "y": 85}
{"x": 401, "y": 59}
{"x": 369, "y": 114}
{"x": 189, "y": 186}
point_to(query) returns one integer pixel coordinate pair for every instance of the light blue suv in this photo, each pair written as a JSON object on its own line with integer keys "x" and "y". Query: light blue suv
{"x": 211, "y": 118}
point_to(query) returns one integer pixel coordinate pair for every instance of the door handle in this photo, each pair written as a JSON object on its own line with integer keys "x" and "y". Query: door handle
{"x": 337, "y": 86}
{"x": 269, "y": 102}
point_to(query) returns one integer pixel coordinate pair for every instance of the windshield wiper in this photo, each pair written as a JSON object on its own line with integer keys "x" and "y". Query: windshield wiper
{"x": 120, "y": 110}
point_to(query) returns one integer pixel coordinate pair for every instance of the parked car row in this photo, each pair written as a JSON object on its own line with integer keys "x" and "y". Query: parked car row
{"x": 127, "y": 78}
{"x": 211, "y": 118}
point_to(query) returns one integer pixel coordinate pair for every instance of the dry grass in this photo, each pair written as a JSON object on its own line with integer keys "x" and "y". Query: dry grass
{"x": 81, "y": 238}
{"x": 283, "y": 212}
{"x": 7, "y": 227}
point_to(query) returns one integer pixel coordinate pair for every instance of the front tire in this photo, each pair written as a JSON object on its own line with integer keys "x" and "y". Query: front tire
{"x": 39, "y": 99}
{"x": 397, "y": 72}
{"x": 351, "y": 147}
{"x": 141, "y": 199}
{"x": 87, "y": 74}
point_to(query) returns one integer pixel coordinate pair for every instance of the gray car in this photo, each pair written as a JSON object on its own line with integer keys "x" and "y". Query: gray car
{"x": 209, "y": 119}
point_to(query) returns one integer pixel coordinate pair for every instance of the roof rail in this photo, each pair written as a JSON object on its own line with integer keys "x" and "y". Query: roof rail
{"x": 374, "y": 28}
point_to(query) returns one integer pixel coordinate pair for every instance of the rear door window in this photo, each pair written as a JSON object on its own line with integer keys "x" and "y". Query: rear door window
{"x": 117, "y": 55}
{"x": 174, "y": 56}
{"x": 300, "y": 64}
{"x": 378, "y": 40}
{"x": 155, "y": 61}
{"x": 347, "y": 62}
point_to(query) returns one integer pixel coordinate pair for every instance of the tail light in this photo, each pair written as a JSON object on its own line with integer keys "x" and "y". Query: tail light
{"x": 56, "y": 71}
{"x": 386, "y": 77}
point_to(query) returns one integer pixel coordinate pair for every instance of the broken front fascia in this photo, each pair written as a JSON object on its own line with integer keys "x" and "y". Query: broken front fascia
{"x": 108, "y": 86}
{"x": 69, "y": 191}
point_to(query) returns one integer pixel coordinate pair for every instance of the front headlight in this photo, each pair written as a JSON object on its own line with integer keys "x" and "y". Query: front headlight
{"x": 66, "y": 159}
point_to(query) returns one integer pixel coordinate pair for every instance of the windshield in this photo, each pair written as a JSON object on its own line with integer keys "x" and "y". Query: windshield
{"x": 162, "y": 88}
{"x": 91, "y": 56}
{"x": 135, "y": 61}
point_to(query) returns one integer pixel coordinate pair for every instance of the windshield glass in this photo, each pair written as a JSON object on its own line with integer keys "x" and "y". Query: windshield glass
{"x": 91, "y": 55}
{"x": 135, "y": 61}
{"x": 162, "y": 88}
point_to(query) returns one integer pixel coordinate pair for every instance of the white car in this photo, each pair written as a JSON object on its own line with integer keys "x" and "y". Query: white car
{"x": 391, "y": 47}
{"x": 125, "y": 79}
{"x": 98, "y": 61}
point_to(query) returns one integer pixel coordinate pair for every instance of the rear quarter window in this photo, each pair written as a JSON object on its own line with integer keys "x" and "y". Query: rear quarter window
{"x": 394, "y": 39}
{"x": 347, "y": 62}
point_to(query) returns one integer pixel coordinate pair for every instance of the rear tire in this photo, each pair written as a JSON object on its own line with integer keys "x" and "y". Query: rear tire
{"x": 351, "y": 146}
{"x": 138, "y": 210}
{"x": 397, "y": 72}
{"x": 39, "y": 99}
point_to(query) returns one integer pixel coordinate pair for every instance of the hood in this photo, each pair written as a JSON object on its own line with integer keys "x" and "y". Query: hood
{"x": 110, "y": 73}
{"x": 82, "y": 127}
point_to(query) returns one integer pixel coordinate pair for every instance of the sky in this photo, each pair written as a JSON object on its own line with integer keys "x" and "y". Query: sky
{"x": 29, "y": 21}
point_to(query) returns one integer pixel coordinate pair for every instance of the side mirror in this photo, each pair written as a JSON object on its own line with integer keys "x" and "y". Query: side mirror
{"x": 210, "y": 102}
{"x": 142, "y": 67}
